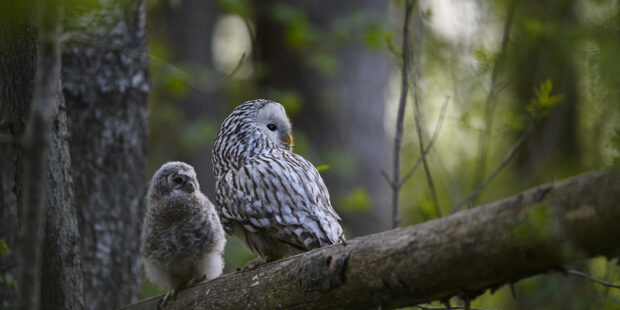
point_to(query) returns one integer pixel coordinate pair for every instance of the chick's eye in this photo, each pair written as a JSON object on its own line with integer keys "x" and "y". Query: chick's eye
{"x": 272, "y": 127}
{"x": 178, "y": 180}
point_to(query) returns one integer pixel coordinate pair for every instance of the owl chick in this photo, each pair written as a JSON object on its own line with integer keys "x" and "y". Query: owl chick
{"x": 182, "y": 238}
{"x": 269, "y": 197}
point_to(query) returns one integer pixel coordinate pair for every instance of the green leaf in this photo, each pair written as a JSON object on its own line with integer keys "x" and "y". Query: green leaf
{"x": 320, "y": 168}
{"x": 544, "y": 101}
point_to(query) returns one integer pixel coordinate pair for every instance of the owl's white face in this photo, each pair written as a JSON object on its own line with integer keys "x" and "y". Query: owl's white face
{"x": 271, "y": 119}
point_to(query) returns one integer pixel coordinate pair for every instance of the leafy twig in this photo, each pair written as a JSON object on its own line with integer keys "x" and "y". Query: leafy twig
{"x": 588, "y": 277}
{"x": 398, "y": 137}
{"x": 501, "y": 166}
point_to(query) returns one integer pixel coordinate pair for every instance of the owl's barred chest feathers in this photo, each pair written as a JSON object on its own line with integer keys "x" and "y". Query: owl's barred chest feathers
{"x": 271, "y": 198}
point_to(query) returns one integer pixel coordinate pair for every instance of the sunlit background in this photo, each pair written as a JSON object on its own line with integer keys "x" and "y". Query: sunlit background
{"x": 336, "y": 65}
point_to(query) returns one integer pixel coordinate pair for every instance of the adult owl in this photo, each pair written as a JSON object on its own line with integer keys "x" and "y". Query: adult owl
{"x": 182, "y": 237}
{"x": 269, "y": 197}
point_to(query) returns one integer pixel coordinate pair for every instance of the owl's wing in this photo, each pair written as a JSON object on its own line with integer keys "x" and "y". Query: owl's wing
{"x": 283, "y": 195}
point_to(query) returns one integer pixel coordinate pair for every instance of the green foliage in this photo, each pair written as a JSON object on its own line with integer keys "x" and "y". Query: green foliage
{"x": 544, "y": 101}
{"x": 356, "y": 201}
{"x": 197, "y": 134}
{"x": 236, "y": 255}
{"x": 299, "y": 33}
{"x": 237, "y": 7}
{"x": 4, "y": 248}
{"x": 149, "y": 289}
{"x": 614, "y": 143}
{"x": 323, "y": 167}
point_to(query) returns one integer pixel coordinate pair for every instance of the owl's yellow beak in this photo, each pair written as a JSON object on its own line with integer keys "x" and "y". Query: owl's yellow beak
{"x": 290, "y": 140}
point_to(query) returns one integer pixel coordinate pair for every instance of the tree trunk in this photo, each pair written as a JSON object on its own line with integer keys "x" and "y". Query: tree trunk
{"x": 61, "y": 280}
{"x": 63, "y": 286}
{"x": 18, "y": 63}
{"x": 464, "y": 254}
{"x": 342, "y": 112}
{"x": 105, "y": 83}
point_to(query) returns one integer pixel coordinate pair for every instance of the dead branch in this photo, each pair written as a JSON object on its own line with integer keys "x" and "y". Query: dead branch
{"x": 591, "y": 278}
{"x": 463, "y": 254}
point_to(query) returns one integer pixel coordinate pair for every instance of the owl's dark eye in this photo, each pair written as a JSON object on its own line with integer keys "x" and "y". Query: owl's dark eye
{"x": 178, "y": 180}
{"x": 272, "y": 127}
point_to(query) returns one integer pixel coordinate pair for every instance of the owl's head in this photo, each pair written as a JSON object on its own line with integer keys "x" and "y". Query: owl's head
{"x": 272, "y": 121}
{"x": 174, "y": 177}
{"x": 252, "y": 127}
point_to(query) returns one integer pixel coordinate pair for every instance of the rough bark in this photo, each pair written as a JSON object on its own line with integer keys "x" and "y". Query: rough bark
{"x": 62, "y": 271}
{"x": 105, "y": 84}
{"x": 341, "y": 113}
{"x": 533, "y": 232}
{"x": 18, "y": 65}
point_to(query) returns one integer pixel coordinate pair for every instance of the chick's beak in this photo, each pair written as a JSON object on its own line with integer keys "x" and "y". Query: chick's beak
{"x": 189, "y": 187}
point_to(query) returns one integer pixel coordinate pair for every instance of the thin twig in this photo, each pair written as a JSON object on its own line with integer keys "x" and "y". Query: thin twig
{"x": 170, "y": 69}
{"x": 588, "y": 277}
{"x": 495, "y": 87}
{"x": 398, "y": 137}
{"x": 418, "y": 113}
{"x": 501, "y": 166}
{"x": 436, "y": 131}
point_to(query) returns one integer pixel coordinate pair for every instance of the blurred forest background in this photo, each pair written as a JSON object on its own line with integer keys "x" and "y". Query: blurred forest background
{"x": 513, "y": 93}
{"x": 335, "y": 66}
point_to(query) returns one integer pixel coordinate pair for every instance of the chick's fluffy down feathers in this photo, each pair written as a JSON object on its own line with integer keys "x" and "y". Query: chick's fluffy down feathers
{"x": 182, "y": 238}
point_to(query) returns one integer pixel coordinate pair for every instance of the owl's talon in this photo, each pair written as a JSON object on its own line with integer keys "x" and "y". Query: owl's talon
{"x": 194, "y": 281}
{"x": 170, "y": 295}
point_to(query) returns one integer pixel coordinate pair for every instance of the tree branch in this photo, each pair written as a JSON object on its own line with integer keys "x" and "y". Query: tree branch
{"x": 398, "y": 136}
{"x": 462, "y": 254}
